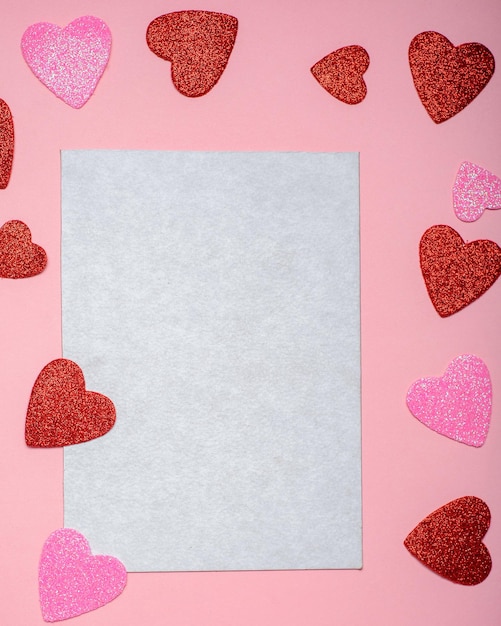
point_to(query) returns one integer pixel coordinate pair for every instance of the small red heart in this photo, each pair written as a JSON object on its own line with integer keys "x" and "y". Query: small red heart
{"x": 449, "y": 541}
{"x": 447, "y": 78}
{"x": 340, "y": 73}
{"x": 19, "y": 258}
{"x": 456, "y": 273}
{"x": 61, "y": 412}
{"x": 198, "y": 44}
{"x": 6, "y": 143}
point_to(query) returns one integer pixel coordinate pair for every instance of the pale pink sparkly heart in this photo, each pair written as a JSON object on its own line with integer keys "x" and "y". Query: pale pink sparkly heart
{"x": 72, "y": 581}
{"x": 69, "y": 61}
{"x": 457, "y": 405}
{"x": 475, "y": 190}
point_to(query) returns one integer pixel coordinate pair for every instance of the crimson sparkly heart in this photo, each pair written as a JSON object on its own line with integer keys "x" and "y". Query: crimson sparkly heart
{"x": 449, "y": 541}
{"x": 61, "y": 412}
{"x": 341, "y": 73}
{"x": 447, "y": 77}
{"x": 19, "y": 257}
{"x": 197, "y": 43}
{"x": 457, "y": 273}
{"x": 6, "y": 143}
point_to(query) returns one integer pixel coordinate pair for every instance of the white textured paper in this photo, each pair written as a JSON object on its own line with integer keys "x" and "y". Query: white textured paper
{"x": 214, "y": 297}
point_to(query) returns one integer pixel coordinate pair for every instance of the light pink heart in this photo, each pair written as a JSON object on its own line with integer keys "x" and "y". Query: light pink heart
{"x": 457, "y": 405}
{"x": 475, "y": 190}
{"x": 72, "y": 581}
{"x": 69, "y": 61}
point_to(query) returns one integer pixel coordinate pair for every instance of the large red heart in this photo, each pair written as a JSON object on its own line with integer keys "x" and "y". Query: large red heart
{"x": 456, "y": 273}
{"x": 449, "y": 541}
{"x": 341, "y": 73}
{"x": 198, "y": 44}
{"x": 447, "y": 78}
{"x": 6, "y": 143}
{"x": 19, "y": 258}
{"x": 61, "y": 412}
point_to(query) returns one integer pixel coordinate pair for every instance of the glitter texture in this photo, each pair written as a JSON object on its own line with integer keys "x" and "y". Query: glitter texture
{"x": 69, "y": 61}
{"x": 19, "y": 258}
{"x": 449, "y": 541}
{"x": 457, "y": 405}
{"x": 198, "y": 44}
{"x": 448, "y": 78}
{"x": 456, "y": 273}
{"x": 72, "y": 581}
{"x": 475, "y": 190}
{"x": 61, "y": 412}
{"x": 6, "y": 143}
{"x": 340, "y": 73}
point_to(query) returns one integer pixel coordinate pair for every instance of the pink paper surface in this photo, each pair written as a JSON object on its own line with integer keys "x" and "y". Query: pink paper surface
{"x": 268, "y": 100}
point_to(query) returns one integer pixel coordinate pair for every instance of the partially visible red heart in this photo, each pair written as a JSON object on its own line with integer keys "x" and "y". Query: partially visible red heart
{"x": 198, "y": 44}
{"x": 61, "y": 412}
{"x": 19, "y": 258}
{"x": 341, "y": 73}
{"x": 449, "y": 541}
{"x": 447, "y": 78}
{"x": 456, "y": 273}
{"x": 6, "y": 143}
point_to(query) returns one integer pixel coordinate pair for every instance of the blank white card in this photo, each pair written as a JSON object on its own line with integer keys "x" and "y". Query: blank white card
{"x": 214, "y": 298}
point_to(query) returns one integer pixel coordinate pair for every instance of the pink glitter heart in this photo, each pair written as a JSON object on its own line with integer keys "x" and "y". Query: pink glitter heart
{"x": 475, "y": 189}
{"x": 457, "y": 405}
{"x": 69, "y": 61}
{"x": 72, "y": 581}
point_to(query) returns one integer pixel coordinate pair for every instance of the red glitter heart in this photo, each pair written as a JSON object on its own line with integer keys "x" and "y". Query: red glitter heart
{"x": 61, "y": 412}
{"x": 447, "y": 78}
{"x": 6, "y": 143}
{"x": 198, "y": 44}
{"x": 19, "y": 258}
{"x": 340, "y": 73}
{"x": 456, "y": 273}
{"x": 449, "y": 541}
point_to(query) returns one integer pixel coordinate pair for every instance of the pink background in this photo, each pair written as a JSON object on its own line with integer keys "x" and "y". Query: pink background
{"x": 267, "y": 100}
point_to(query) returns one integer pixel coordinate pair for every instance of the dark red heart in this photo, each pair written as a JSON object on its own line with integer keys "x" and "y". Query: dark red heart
{"x": 449, "y": 541}
{"x": 341, "y": 73}
{"x": 456, "y": 273}
{"x": 61, "y": 412}
{"x": 6, "y": 143}
{"x": 19, "y": 257}
{"x": 447, "y": 78}
{"x": 198, "y": 44}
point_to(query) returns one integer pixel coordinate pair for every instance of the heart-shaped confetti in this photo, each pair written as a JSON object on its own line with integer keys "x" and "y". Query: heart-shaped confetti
{"x": 19, "y": 257}
{"x": 197, "y": 43}
{"x": 475, "y": 190}
{"x": 341, "y": 73}
{"x": 71, "y": 60}
{"x": 6, "y": 143}
{"x": 457, "y": 405}
{"x": 61, "y": 412}
{"x": 72, "y": 581}
{"x": 449, "y": 541}
{"x": 457, "y": 273}
{"x": 447, "y": 78}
